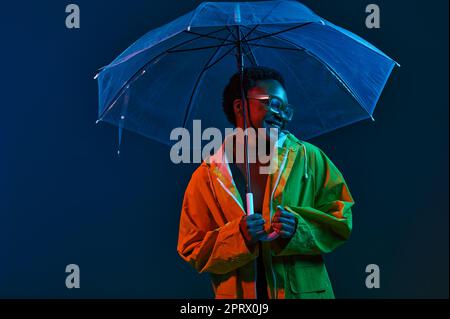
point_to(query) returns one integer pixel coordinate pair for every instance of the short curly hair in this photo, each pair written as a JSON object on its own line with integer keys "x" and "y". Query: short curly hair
{"x": 251, "y": 76}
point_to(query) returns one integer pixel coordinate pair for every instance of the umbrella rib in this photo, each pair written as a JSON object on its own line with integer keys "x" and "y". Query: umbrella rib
{"x": 200, "y": 8}
{"x": 221, "y": 58}
{"x": 254, "y": 62}
{"x": 200, "y": 48}
{"x": 126, "y": 85}
{"x": 232, "y": 33}
{"x": 194, "y": 39}
{"x": 245, "y": 36}
{"x": 208, "y": 36}
{"x": 121, "y": 90}
{"x": 264, "y": 45}
{"x": 267, "y": 35}
{"x": 332, "y": 71}
{"x": 197, "y": 82}
{"x": 174, "y": 47}
{"x": 251, "y": 31}
{"x": 276, "y": 47}
{"x": 271, "y": 10}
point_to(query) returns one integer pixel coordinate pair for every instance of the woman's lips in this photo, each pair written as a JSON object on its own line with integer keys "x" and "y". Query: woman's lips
{"x": 274, "y": 123}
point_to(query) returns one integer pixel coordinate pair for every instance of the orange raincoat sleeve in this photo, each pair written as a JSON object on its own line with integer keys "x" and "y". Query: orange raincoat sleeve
{"x": 206, "y": 239}
{"x": 326, "y": 224}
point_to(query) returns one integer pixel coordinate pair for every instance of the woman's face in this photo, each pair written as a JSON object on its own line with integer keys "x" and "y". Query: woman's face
{"x": 260, "y": 116}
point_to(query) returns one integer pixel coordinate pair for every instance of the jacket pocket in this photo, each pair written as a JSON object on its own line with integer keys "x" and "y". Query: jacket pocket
{"x": 308, "y": 279}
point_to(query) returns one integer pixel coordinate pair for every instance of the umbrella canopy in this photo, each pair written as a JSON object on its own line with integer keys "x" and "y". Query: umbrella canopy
{"x": 177, "y": 73}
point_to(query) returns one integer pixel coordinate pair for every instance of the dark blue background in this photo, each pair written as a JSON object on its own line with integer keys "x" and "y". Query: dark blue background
{"x": 65, "y": 197}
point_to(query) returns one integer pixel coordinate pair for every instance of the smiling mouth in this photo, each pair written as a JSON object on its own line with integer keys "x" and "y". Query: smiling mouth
{"x": 273, "y": 122}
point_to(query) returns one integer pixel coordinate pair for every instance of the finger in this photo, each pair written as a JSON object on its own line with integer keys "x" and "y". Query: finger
{"x": 285, "y": 220}
{"x": 276, "y": 226}
{"x": 256, "y": 220}
{"x": 283, "y": 227}
{"x": 276, "y": 216}
{"x": 288, "y": 221}
{"x": 258, "y": 232}
{"x": 286, "y": 214}
{"x": 256, "y": 223}
{"x": 277, "y": 232}
{"x": 259, "y": 235}
{"x": 256, "y": 227}
{"x": 288, "y": 228}
{"x": 282, "y": 210}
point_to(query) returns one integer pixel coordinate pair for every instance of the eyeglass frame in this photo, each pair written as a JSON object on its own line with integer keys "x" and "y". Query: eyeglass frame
{"x": 280, "y": 111}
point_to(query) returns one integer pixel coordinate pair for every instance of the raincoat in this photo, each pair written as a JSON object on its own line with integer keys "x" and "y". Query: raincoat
{"x": 305, "y": 182}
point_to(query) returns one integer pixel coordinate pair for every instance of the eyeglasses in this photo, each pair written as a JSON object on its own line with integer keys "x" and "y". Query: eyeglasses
{"x": 275, "y": 105}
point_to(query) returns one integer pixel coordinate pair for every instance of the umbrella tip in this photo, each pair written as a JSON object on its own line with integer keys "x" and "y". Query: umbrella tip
{"x": 96, "y": 76}
{"x": 98, "y": 121}
{"x": 372, "y": 118}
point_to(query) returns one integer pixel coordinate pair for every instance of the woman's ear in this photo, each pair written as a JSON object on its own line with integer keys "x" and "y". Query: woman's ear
{"x": 237, "y": 108}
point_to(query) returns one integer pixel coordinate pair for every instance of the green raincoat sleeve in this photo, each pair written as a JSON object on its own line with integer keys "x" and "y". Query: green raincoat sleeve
{"x": 326, "y": 224}
{"x": 206, "y": 240}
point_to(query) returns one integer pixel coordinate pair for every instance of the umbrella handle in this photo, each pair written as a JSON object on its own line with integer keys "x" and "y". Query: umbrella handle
{"x": 250, "y": 211}
{"x": 249, "y": 199}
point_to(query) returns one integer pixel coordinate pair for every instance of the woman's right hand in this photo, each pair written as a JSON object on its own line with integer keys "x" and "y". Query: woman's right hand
{"x": 252, "y": 228}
